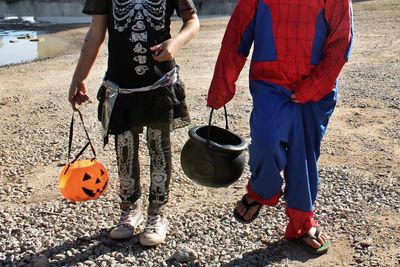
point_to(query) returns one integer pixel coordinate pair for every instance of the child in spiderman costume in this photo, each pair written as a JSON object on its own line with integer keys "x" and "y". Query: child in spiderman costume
{"x": 300, "y": 47}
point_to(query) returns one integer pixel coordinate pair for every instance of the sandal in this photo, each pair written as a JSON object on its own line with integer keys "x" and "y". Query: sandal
{"x": 319, "y": 251}
{"x": 247, "y": 205}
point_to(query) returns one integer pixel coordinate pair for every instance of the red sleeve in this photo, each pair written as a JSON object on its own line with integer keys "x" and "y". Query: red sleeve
{"x": 338, "y": 14}
{"x": 235, "y": 47}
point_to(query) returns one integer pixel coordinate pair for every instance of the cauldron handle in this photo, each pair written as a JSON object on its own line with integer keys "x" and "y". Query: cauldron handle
{"x": 209, "y": 124}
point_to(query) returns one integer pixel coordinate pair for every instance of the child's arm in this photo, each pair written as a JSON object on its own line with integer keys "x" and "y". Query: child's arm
{"x": 235, "y": 47}
{"x": 167, "y": 50}
{"x": 338, "y": 14}
{"x": 90, "y": 49}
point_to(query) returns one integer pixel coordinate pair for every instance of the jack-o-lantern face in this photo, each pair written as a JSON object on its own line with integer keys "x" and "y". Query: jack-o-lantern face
{"x": 93, "y": 185}
{"x": 83, "y": 180}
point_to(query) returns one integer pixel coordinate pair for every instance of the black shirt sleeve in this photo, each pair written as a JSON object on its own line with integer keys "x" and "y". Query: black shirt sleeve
{"x": 95, "y": 7}
{"x": 185, "y": 5}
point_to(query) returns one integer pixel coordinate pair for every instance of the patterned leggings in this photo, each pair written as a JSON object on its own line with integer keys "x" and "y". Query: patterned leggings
{"x": 127, "y": 148}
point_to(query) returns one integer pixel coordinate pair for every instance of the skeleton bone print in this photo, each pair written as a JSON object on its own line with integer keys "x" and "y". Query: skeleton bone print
{"x": 125, "y": 158}
{"x": 134, "y": 15}
{"x": 159, "y": 176}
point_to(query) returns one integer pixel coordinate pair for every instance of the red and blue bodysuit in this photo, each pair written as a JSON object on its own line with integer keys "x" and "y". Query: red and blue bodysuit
{"x": 299, "y": 47}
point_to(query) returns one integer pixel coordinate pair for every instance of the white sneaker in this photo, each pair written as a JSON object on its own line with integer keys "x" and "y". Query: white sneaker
{"x": 131, "y": 217}
{"x": 155, "y": 231}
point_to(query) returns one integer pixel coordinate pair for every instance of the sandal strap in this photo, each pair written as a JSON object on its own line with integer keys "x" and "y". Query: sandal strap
{"x": 248, "y": 205}
{"x": 313, "y": 236}
{"x": 317, "y": 232}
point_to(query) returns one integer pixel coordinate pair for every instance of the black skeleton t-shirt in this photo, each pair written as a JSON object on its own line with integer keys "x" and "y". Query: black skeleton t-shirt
{"x": 133, "y": 27}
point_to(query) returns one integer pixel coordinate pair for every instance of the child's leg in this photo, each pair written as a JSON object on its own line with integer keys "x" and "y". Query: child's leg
{"x": 159, "y": 145}
{"x": 126, "y": 145}
{"x": 301, "y": 172}
{"x": 270, "y": 123}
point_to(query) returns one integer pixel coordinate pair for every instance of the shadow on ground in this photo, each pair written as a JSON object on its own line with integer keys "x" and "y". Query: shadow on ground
{"x": 274, "y": 252}
{"x": 89, "y": 248}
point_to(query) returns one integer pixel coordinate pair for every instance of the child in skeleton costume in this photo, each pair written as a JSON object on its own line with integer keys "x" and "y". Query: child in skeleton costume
{"x": 300, "y": 47}
{"x": 141, "y": 88}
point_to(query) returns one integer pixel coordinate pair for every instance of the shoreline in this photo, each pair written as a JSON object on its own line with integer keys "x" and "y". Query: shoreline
{"x": 47, "y": 27}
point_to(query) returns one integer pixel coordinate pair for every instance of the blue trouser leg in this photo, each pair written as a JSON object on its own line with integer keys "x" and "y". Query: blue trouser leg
{"x": 301, "y": 172}
{"x": 286, "y": 136}
{"x": 270, "y": 126}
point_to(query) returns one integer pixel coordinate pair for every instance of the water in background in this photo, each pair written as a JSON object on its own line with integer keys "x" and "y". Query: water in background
{"x": 22, "y": 46}
{"x": 18, "y": 46}
{"x": 14, "y": 50}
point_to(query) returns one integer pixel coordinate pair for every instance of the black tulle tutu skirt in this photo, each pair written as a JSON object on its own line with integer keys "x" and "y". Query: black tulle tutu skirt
{"x": 163, "y": 108}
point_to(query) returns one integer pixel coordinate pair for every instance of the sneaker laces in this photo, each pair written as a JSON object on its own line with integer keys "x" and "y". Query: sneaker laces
{"x": 154, "y": 223}
{"x": 127, "y": 215}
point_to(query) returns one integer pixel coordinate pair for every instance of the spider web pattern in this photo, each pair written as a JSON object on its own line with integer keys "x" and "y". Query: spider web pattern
{"x": 294, "y": 26}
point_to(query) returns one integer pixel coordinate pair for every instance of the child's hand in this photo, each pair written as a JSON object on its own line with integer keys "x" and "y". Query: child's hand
{"x": 294, "y": 99}
{"x": 77, "y": 94}
{"x": 165, "y": 51}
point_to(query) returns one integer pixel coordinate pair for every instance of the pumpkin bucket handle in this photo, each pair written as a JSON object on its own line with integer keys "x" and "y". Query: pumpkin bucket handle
{"x": 71, "y": 132}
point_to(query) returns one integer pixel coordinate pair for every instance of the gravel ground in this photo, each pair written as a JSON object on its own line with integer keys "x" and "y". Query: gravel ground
{"x": 358, "y": 202}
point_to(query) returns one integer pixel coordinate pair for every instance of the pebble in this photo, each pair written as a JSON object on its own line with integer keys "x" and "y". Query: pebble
{"x": 366, "y": 243}
{"x": 40, "y": 261}
{"x": 185, "y": 254}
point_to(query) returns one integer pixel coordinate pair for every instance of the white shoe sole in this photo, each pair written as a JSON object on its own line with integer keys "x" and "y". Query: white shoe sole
{"x": 149, "y": 242}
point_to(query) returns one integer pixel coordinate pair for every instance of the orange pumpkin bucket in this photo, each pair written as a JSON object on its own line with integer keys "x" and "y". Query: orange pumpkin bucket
{"x": 82, "y": 180}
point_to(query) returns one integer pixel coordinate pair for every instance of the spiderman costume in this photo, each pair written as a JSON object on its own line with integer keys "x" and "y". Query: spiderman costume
{"x": 299, "y": 49}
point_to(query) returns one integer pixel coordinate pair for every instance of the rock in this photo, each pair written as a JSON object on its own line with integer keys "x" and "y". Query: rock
{"x": 184, "y": 254}
{"x": 366, "y": 242}
{"x": 27, "y": 258}
{"x": 40, "y": 261}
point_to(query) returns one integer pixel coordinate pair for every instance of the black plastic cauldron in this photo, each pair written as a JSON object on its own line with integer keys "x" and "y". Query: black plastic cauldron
{"x": 213, "y": 156}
